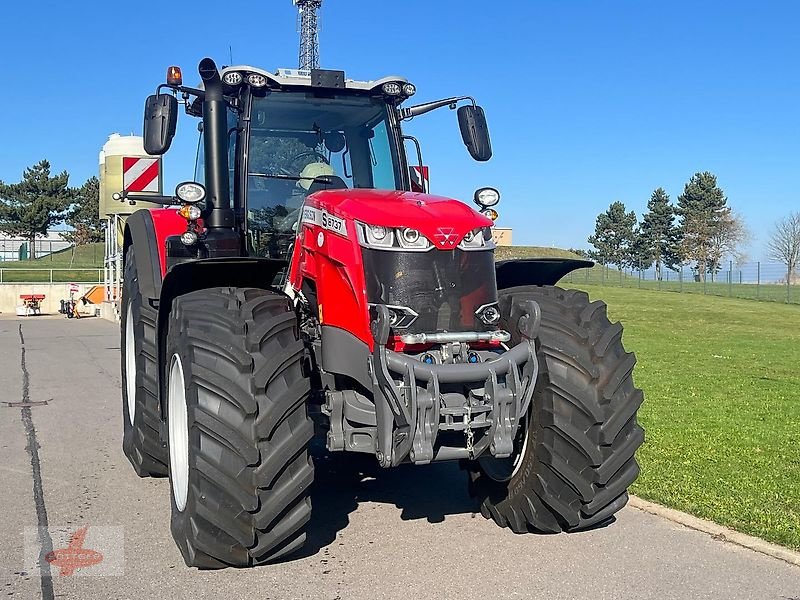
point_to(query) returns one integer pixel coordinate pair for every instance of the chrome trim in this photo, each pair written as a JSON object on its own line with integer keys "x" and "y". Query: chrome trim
{"x": 456, "y": 336}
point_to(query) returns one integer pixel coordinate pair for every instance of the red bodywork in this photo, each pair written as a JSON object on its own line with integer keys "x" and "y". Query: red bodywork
{"x": 331, "y": 258}
{"x": 166, "y": 222}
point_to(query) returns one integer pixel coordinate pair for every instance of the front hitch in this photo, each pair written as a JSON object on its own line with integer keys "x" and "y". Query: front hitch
{"x": 411, "y": 409}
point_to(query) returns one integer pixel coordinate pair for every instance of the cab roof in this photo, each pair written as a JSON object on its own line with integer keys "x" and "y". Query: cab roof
{"x": 298, "y": 78}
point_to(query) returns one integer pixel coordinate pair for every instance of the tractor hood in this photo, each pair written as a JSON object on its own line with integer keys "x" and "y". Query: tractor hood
{"x": 443, "y": 221}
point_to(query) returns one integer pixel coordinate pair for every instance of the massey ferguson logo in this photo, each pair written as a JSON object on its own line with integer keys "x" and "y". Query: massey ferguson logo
{"x": 446, "y": 235}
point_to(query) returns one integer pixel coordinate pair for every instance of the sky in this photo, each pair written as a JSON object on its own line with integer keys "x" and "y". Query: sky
{"x": 588, "y": 102}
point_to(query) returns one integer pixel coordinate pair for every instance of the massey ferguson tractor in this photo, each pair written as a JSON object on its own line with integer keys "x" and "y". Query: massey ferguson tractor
{"x": 305, "y": 287}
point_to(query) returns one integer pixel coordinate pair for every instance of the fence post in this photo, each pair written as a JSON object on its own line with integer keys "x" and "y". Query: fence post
{"x": 730, "y": 278}
{"x": 639, "y": 274}
{"x": 680, "y": 280}
{"x": 51, "y": 275}
{"x": 758, "y": 280}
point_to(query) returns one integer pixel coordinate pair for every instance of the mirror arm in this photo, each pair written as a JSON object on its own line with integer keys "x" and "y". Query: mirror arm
{"x": 183, "y": 89}
{"x": 421, "y": 109}
{"x": 411, "y": 138}
{"x": 152, "y": 198}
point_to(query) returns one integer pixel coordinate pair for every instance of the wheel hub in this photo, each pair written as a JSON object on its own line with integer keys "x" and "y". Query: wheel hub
{"x": 178, "y": 430}
{"x": 503, "y": 469}
{"x": 130, "y": 364}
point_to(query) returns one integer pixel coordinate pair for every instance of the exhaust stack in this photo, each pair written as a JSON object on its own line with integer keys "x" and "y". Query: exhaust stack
{"x": 215, "y": 145}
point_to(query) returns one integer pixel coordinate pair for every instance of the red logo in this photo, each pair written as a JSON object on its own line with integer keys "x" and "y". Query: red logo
{"x": 74, "y": 556}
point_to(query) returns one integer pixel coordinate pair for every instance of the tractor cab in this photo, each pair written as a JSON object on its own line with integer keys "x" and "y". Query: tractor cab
{"x": 292, "y": 133}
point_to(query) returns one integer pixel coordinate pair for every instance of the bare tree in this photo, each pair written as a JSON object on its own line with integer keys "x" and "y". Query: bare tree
{"x": 784, "y": 245}
{"x": 728, "y": 238}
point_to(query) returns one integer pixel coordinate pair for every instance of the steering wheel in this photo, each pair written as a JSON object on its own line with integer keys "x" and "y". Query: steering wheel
{"x": 310, "y": 153}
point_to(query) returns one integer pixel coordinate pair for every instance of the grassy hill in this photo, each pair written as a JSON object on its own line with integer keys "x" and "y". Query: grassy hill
{"x": 508, "y": 252}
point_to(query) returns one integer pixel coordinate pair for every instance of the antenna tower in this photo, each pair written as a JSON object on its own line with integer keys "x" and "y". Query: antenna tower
{"x": 308, "y": 27}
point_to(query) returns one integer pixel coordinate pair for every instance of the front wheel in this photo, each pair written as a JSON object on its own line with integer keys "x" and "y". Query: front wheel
{"x": 238, "y": 427}
{"x": 574, "y": 452}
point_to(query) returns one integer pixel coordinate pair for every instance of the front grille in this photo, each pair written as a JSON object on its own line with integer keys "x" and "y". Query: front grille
{"x": 444, "y": 288}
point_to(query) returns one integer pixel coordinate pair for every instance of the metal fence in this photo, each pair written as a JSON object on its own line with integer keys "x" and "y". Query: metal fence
{"x": 39, "y": 275}
{"x": 753, "y": 281}
{"x": 12, "y": 249}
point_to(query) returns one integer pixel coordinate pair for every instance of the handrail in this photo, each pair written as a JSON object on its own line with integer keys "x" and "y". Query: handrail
{"x": 7, "y": 275}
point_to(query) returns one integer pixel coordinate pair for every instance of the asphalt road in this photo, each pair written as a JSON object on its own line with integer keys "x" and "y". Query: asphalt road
{"x": 410, "y": 533}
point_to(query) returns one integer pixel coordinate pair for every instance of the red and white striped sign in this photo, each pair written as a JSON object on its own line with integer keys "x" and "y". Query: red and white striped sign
{"x": 420, "y": 179}
{"x": 140, "y": 174}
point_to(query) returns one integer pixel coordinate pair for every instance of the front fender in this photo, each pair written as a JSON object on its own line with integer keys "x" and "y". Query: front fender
{"x": 192, "y": 275}
{"x": 536, "y": 271}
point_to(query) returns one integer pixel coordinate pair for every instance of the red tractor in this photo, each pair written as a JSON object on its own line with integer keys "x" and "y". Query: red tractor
{"x": 305, "y": 287}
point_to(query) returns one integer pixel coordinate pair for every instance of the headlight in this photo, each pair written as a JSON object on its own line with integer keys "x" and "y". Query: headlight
{"x": 411, "y": 239}
{"x": 392, "y": 88}
{"x": 189, "y": 238}
{"x": 257, "y": 80}
{"x": 375, "y": 236}
{"x": 490, "y": 213}
{"x": 232, "y": 78}
{"x": 486, "y": 197}
{"x": 474, "y": 240}
{"x": 409, "y": 89}
{"x": 190, "y": 212}
{"x": 388, "y": 238}
{"x": 190, "y": 192}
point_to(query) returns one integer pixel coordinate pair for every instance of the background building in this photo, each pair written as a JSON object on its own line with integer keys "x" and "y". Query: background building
{"x": 502, "y": 236}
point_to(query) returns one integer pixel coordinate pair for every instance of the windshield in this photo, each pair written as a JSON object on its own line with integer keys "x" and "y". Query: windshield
{"x": 300, "y": 144}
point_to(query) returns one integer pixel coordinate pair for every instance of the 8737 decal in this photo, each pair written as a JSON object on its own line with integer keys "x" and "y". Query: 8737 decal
{"x": 324, "y": 219}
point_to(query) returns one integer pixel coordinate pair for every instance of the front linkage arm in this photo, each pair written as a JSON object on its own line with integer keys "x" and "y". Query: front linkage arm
{"x": 408, "y": 398}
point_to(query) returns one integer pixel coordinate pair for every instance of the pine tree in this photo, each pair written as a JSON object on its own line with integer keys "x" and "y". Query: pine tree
{"x": 614, "y": 237}
{"x": 32, "y": 206}
{"x": 703, "y": 209}
{"x": 658, "y": 235}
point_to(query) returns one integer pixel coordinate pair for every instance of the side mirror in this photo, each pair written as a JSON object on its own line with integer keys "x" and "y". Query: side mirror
{"x": 475, "y": 132}
{"x": 160, "y": 120}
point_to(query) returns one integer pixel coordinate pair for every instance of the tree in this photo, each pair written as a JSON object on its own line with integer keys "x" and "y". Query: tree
{"x": 579, "y": 251}
{"x": 658, "y": 238}
{"x": 84, "y": 214}
{"x": 784, "y": 244}
{"x": 32, "y": 206}
{"x": 727, "y": 239}
{"x": 614, "y": 236}
{"x": 703, "y": 208}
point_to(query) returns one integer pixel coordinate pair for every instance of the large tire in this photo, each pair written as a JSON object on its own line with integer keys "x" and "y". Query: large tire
{"x": 574, "y": 457}
{"x": 238, "y": 425}
{"x": 140, "y": 440}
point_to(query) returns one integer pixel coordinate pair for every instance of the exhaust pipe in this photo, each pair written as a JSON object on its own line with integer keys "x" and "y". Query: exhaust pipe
{"x": 215, "y": 144}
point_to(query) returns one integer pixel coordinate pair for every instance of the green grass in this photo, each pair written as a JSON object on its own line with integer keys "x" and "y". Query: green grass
{"x": 507, "y": 252}
{"x": 81, "y": 267}
{"x": 722, "y": 406}
{"x": 611, "y": 277}
{"x": 86, "y": 256}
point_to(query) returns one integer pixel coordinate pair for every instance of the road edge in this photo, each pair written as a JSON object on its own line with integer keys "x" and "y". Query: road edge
{"x": 718, "y": 532}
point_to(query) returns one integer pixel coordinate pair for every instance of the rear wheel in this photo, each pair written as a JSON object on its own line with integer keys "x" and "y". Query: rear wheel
{"x": 140, "y": 441}
{"x": 238, "y": 427}
{"x": 574, "y": 456}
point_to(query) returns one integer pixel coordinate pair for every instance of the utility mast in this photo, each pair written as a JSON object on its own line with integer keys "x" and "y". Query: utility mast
{"x": 308, "y": 27}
